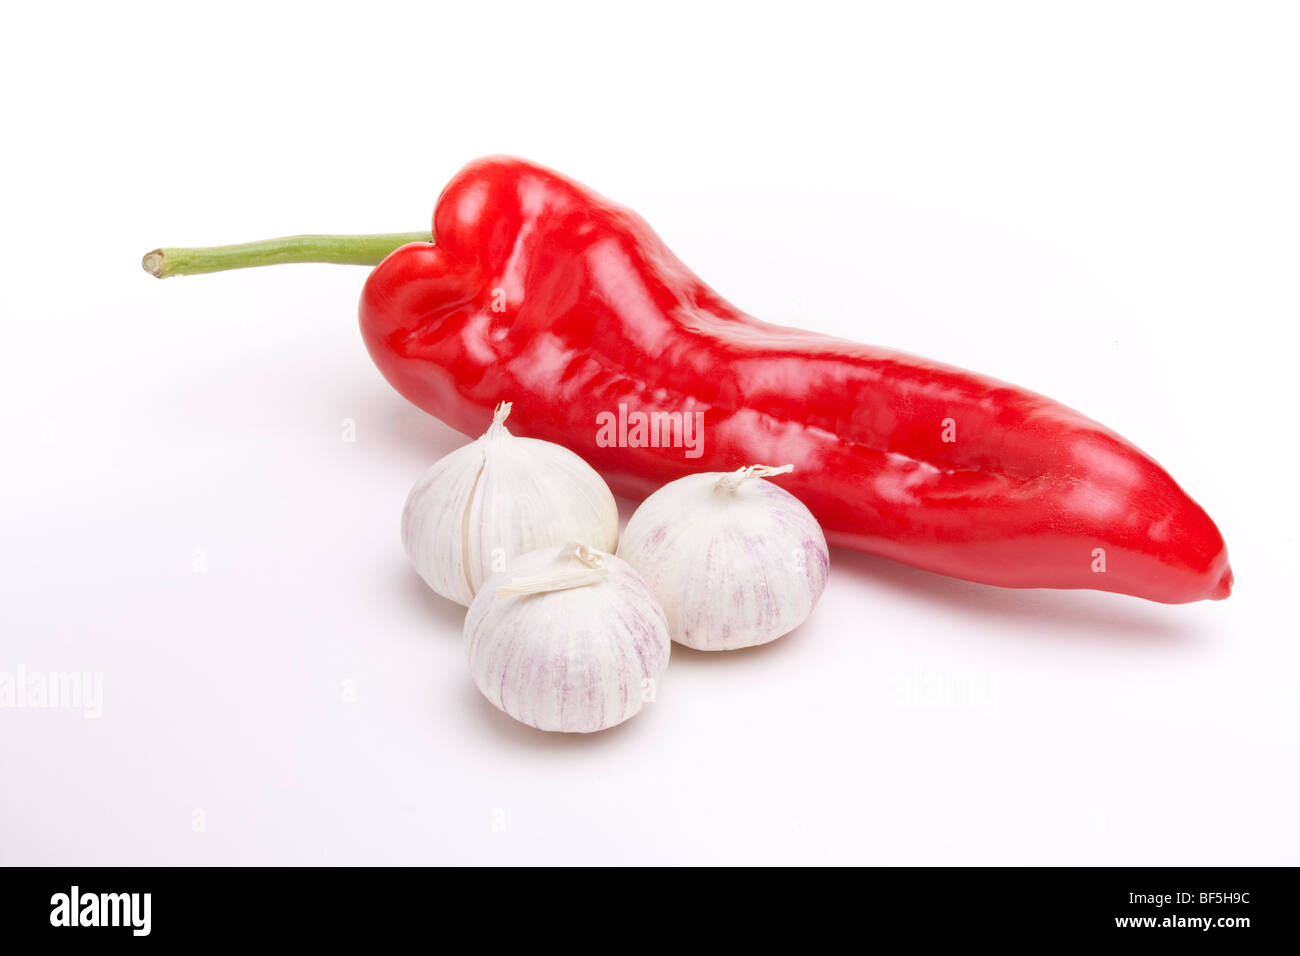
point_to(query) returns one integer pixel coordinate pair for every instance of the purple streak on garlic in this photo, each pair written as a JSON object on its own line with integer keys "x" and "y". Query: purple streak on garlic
{"x": 567, "y": 639}
{"x": 499, "y": 497}
{"x": 733, "y": 559}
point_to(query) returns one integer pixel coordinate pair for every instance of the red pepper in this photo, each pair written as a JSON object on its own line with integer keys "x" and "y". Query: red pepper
{"x": 540, "y": 292}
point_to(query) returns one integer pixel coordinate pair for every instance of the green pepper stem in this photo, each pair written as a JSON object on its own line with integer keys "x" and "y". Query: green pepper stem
{"x": 343, "y": 250}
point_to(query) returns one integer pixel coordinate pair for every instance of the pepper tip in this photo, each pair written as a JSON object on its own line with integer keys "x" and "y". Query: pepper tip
{"x": 1224, "y": 586}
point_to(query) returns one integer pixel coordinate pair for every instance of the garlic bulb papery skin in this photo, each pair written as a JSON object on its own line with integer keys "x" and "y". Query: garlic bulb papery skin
{"x": 733, "y": 559}
{"x": 496, "y": 498}
{"x": 567, "y": 639}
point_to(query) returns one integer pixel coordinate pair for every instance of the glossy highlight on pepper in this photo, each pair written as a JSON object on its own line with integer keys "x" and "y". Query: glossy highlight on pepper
{"x": 536, "y": 288}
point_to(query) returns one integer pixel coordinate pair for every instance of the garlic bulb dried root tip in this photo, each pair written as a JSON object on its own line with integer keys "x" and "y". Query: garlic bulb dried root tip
{"x": 592, "y": 570}
{"x": 567, "y": 639}
{"x": 496, "y": 498}
{"x": 735, "y": 560}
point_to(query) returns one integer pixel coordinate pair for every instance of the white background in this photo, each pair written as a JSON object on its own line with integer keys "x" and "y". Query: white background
{"x": 1095, "y": 201}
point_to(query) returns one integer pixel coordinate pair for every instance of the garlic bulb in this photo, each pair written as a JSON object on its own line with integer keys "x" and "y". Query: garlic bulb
{"x": 734, "y": 560}
{"x": 499, "y": 497}
{"x": 567, "y": 639}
